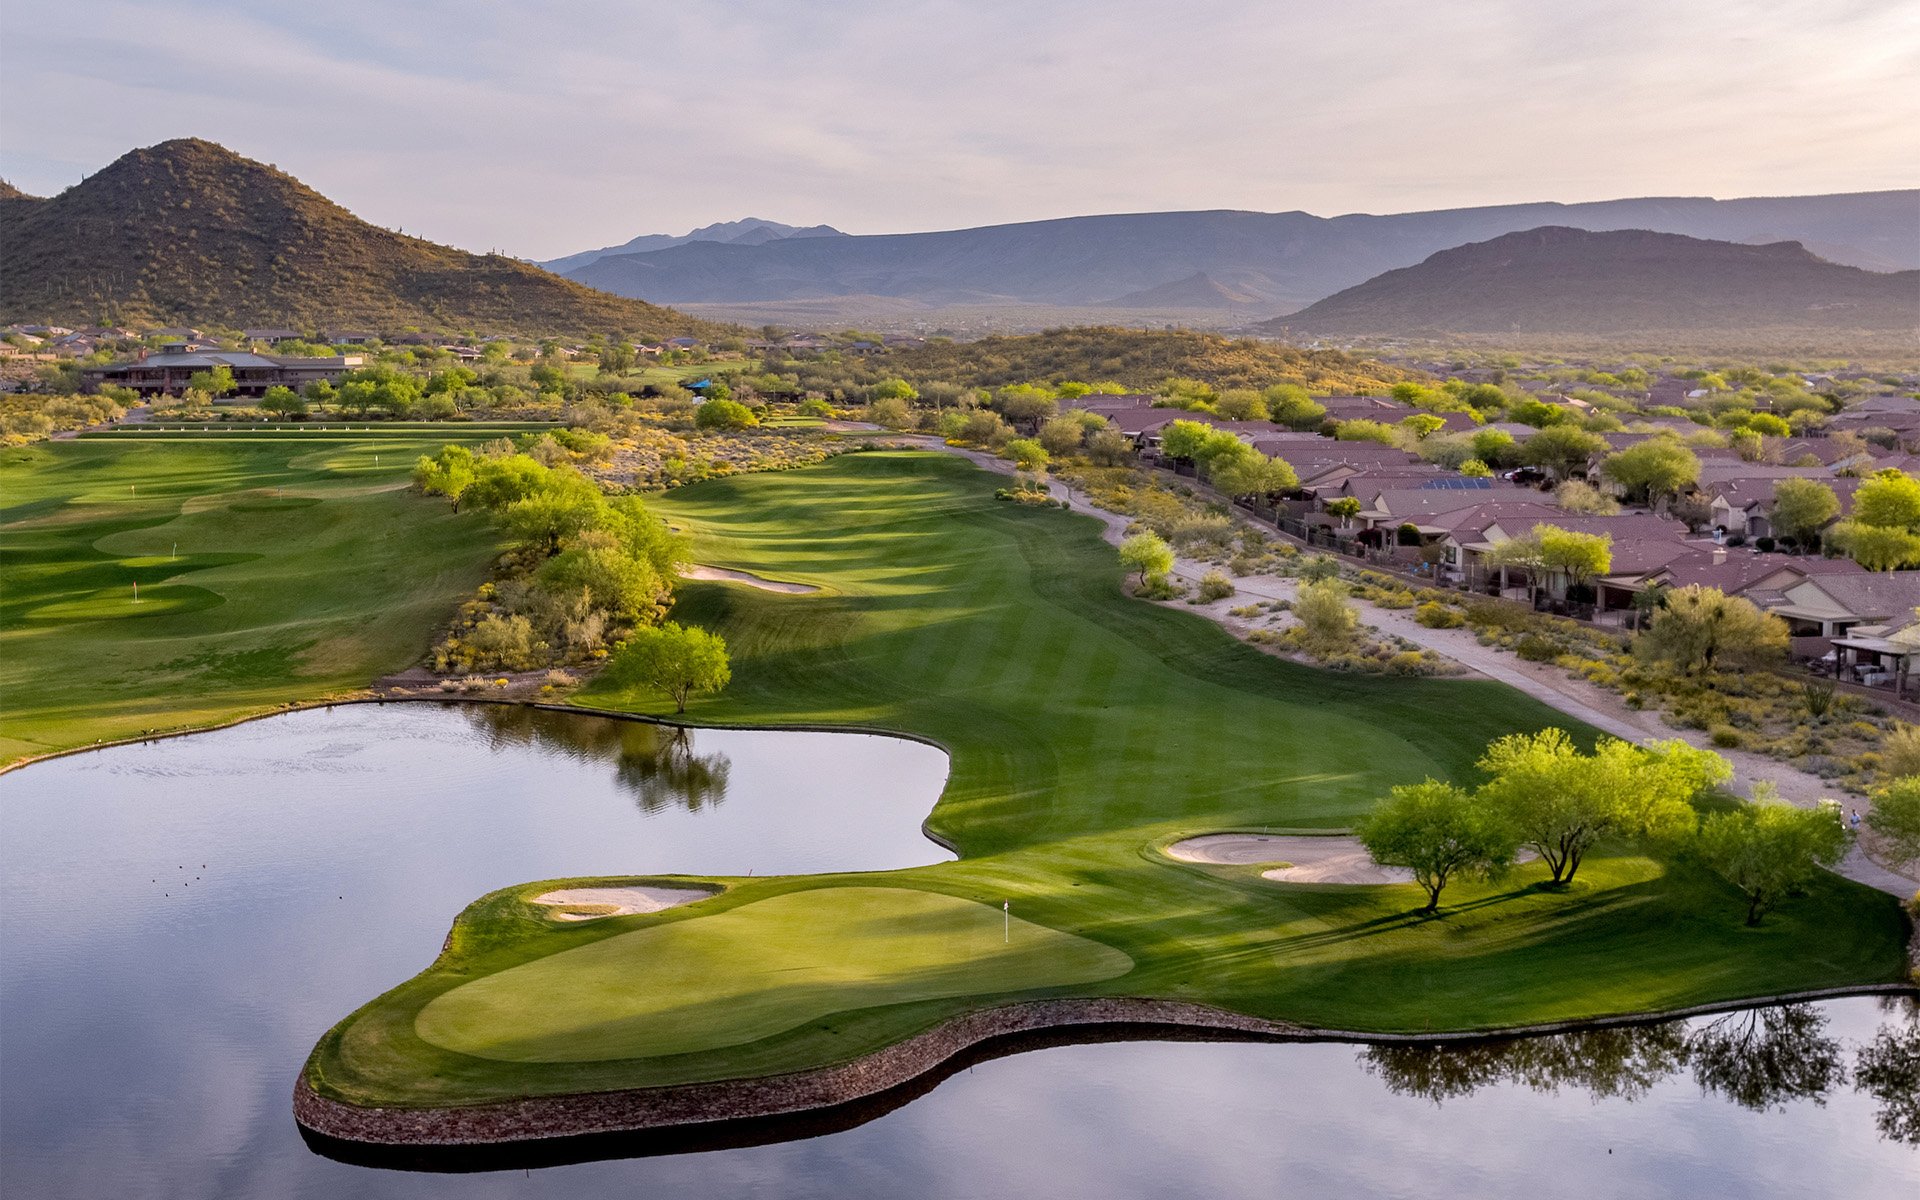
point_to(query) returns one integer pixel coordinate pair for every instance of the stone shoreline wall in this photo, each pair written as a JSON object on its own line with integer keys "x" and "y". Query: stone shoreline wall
{"x": 542, "y": 1117}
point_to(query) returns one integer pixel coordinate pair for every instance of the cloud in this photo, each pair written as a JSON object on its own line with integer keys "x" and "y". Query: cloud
{"x": 543, "y": 128}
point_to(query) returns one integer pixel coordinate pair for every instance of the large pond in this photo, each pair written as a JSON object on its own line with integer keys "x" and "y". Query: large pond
{"x": 180, "y": 921}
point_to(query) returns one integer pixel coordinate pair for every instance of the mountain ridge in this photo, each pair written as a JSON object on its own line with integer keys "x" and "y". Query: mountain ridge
{"x": 1556, "y": 279}
{"x": 187, "y": 232}
{"x": 747, "y": 231}
{"x": 1286, "y": 259}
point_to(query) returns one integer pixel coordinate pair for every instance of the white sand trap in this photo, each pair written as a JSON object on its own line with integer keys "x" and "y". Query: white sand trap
{"x": 591, "y": 904}
{"x": 721, "y": 574}
{"x": 1310, "y": 859}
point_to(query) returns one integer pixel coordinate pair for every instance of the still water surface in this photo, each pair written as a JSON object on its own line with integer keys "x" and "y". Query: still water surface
{"x": 180, "y": 921}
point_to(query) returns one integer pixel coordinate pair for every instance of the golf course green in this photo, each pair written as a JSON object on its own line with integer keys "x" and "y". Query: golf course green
{"x": 271, "y": 567}
{"x": 1087, "y": 731}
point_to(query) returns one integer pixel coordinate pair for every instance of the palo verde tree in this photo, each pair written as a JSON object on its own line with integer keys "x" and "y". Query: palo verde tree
{"x": 679, "y": 660}
{"x": 1580, "y": 557}
{"x": 1561, "y": 450}
{"x": 1653, "y": 470}
{"x": 1768, "y": 848}
{"x": 1561, "y": 801}
{"x": 1883, "y": 532}
{"x": 1438, "y": 831}
{"x": 1698, "y": 629}
{"x": 1255, "y": 475}
{"x": 1801, "y": 509}
{"x": 1147, "y": 554}
{"x": 449, "y": 473}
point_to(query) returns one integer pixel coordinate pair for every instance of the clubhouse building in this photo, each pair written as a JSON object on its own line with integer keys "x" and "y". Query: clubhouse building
{"x": 166, "y": 373}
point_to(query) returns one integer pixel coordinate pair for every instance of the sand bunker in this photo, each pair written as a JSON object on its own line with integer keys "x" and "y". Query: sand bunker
{"x": 1310, "y": 859}
{"x": 721, "y": 574}
{"x": 591, "y": 904}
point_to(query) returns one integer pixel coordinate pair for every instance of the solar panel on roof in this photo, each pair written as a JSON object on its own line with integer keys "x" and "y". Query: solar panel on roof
{"x": 1457, "y": 483}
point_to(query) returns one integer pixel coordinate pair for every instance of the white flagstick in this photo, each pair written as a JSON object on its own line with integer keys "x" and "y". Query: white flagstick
{"x": 136, "y": 591}
{"x": 1006, "y": 910}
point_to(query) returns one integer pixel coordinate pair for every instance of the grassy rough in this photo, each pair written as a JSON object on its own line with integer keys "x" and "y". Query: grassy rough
{"x": 304, "y": 568}
{"x": 1087, "y": 730}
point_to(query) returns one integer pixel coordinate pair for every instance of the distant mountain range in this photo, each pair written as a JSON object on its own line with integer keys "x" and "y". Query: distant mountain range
{"x": 1276, "y": 261}
{"x": 1560, "y": 280}
{"x": 748, "y": 231}
{"x": 190, "y": 233}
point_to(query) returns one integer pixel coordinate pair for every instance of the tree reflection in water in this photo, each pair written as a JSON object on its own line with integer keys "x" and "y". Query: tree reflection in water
{"x": 1888, "y": 1069}
{"x": 1763, "y": 1058}
{"x": 1758, "y": 1058}
{"x": 656, "y": 764}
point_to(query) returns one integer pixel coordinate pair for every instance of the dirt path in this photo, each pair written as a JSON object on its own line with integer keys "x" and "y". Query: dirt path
{"x": 1550, "y": 685}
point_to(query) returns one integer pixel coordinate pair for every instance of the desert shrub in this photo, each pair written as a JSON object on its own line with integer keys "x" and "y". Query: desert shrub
{"x": 1202, "y": 529}
{"x": 1727, "y": 737}
{"x": 1900, "y": 751}
{"x": 1214, "y": 585}
{"x": 508, "y": 642}
{"x": 1435, "y": 615}
{"x": 1534, "y": 648}
{"x": 1160, "y": 587}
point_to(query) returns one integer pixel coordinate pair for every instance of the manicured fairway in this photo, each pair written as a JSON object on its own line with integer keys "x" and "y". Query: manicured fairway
{"x": 754, "y": 971}
{"x": 1087, "y": 730}
{"x": 270, "y": 567}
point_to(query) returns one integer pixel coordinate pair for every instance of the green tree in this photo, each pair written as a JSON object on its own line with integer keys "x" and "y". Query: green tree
{"x": 1241, "y": 404}
{"x": 1581, "y": 557}
{"x": 1802, "y": 508}
{"x": 1883, "y": 534}
{"x": 681, "y": 661}
{"x": 283, "y": 402}
{"x": 566, "y": 503}
{"x": 1495, "y": 447}
{"x": 1767, "y": 849}
{"x": 1895, "y": 815}
{"x": 1562, "y": 801}
{"x": 1702, "y": 629}
{"x": 1561, "y": 450}
{"x": 1063, "y": 435}
{"x": 1438, "y": 831}
{"x": 724, "y": 414}
{"x": 449, "y": 474}
{"x": 1344, "y": 507}
{"x": 1654, "y": 469}
{"x": 1889, "y": 499}
{"x": 1025, "y": 405}
{"x": 1288, "y": 404}
{"x": 1183, "y": 441}
{"x": 1473, "y": 468}
{"x": 616, "y": 357}
{"x": 1027, "y": 454}
{"x": 215, "y": 381}
{"x": 1255, "y": 474}
{"x": 1362, "y": 430}
{"x": 597, "y": 567}
{"x": 1147, "y": 554}
{"x": 894, "y": 389}
{"x": 1423, "y": 425}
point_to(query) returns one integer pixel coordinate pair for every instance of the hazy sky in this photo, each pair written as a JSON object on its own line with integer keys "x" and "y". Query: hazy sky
{"x": 541, "y": 127}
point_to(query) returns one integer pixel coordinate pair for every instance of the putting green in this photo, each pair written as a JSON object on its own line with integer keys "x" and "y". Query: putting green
{"x": 753, "y": 972}
{"x": 109, "y": 604}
